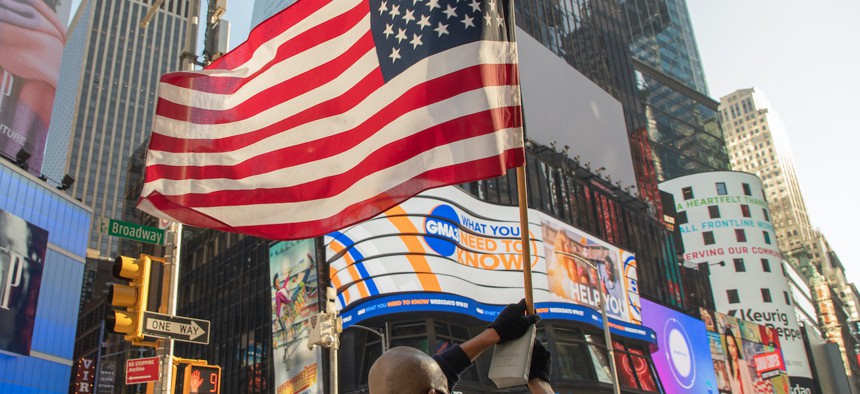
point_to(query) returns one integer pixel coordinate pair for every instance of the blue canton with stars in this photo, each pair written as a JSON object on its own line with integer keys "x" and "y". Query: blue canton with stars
{"x": 407, "y": 31}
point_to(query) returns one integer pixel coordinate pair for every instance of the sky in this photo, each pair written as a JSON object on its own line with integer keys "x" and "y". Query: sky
{"x": 804, "y": 56}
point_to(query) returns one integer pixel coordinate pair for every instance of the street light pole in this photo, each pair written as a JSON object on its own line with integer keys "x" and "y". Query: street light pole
{"x": 616, "y": 387}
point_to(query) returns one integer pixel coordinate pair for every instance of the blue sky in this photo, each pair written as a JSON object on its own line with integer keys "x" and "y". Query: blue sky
{"x": 804, "y": 56}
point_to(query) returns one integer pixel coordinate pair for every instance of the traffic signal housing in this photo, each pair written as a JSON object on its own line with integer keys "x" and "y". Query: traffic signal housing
{"x": 201, "y": 379}
{"x": 129, "y": 300}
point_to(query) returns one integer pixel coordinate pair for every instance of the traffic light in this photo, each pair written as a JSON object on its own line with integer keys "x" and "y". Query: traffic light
{"x": 202, "y": 379}
{"x": 131, "y": 298}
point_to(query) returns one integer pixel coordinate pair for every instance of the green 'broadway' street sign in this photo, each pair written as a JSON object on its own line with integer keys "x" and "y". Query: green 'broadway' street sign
{"x": 132, "y": 231}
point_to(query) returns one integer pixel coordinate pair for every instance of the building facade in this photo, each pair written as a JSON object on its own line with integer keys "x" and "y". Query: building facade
{"x": 43, "y": 240}
{"x": 757, "y": 142}
{"x": 228, "y": 282}
{"x": 724, "y": 220}
{"x": 682, "y": 122}
{"x": 107, "y": 109}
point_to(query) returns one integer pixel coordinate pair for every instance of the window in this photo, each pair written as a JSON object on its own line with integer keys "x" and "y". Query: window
{"x": 745, "y": 211}
{"x": 787, "y": 298}
{"x": 747, "y": 190}
{"x": 734, "y": 298}
{"x": 766, "y": 237}
{"x": 688, "y": 193}
{"x": 739, "y": 265}
{"x": 721, "y": 188}
{"x": 708, "y": 237}
{"x": 765, "y": 265}
{"x": 765, "y": 295}
{"x": 714, "y": 211}
{"x": 682, "y": 217}
{"x": 740, "y": 235}
{"x": 766, "y": 216}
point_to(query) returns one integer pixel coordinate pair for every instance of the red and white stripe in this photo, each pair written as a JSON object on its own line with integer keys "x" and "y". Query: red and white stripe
{"x": 295, "y": 134}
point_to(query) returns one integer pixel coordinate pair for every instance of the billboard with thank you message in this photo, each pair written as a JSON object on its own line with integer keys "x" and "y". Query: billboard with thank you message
{"x": 22, "y": 260}
{"x": 32, "y": 37}
{"x": 293, "y": 274}
{"x": 444, "y": 250}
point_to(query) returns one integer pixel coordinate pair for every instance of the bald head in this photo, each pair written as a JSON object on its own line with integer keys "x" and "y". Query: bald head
{"x": 405, "y": 370}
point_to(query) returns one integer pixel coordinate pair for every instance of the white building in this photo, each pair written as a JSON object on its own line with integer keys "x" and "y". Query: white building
{"x": 725, "y": 224}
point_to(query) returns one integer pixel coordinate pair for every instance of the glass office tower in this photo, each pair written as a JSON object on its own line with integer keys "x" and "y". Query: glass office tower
{"x": 109, "y": 108}
{"x": 683, "y": 126}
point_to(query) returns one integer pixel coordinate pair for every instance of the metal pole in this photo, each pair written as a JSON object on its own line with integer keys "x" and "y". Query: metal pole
{"x": 330, "y": 308}
{"x": 99, "y": 356}
{"x": 379, "y": 334}
{"x": 171, "y": 283}
{"x": 333, "y": 353}
{"x": 607, "y": 336}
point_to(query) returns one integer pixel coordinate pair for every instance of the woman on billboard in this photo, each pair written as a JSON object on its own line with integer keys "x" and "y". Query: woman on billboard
{"x": 32, "y": 38}
{"x": 739, "y": 371}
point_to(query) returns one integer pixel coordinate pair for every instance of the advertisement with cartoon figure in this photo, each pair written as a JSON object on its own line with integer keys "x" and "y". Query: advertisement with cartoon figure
{"x": 293, "y": 273}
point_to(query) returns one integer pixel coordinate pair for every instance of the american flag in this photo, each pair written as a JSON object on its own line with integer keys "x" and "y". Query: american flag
{"x": 334, "y": 111}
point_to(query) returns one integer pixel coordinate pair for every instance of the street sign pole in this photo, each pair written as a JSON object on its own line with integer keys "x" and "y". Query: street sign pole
{"x": 168, "y": 305}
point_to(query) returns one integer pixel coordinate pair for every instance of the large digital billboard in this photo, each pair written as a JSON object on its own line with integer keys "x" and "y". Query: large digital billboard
{"x": 32, "y": 37}
{"x": 294, "y": 300}
{"x": 22, "y": 260}
{"x": 444, "y": 250}
{"x": 683, "y": 358}
{"x": 725, "y": 224}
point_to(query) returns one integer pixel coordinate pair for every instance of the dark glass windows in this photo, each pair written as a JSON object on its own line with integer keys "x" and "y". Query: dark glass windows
{"x": 765, "y": 295}
{"x": 682, "y": 217}
{"x": 740, "y": 235}
{"x": 714, "y": 211}
{"x": 733, "y": 296}
{"x": 688, "y": 193}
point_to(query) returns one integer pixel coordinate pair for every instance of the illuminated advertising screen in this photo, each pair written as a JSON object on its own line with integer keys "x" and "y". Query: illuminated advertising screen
{"x": 747, "y": 357}
{"x": 32, "y": 37}
{"x": 294, "y": 300}
{"x": 22, "y": 259}
{"x": 683, "y": 359}
{"x": 443, "y": 250}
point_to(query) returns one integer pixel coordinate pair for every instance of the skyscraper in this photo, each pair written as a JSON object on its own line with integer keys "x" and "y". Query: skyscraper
{"x": 108, "y": 110}
{"x": 683, "y": 127}
{"x": 661, "y": 36}
{"x": 757, "y": 143}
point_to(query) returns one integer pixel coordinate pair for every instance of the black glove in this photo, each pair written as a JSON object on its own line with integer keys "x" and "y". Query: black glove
{"x": 541, "y": 367}
{"x": 513, "y": 322}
